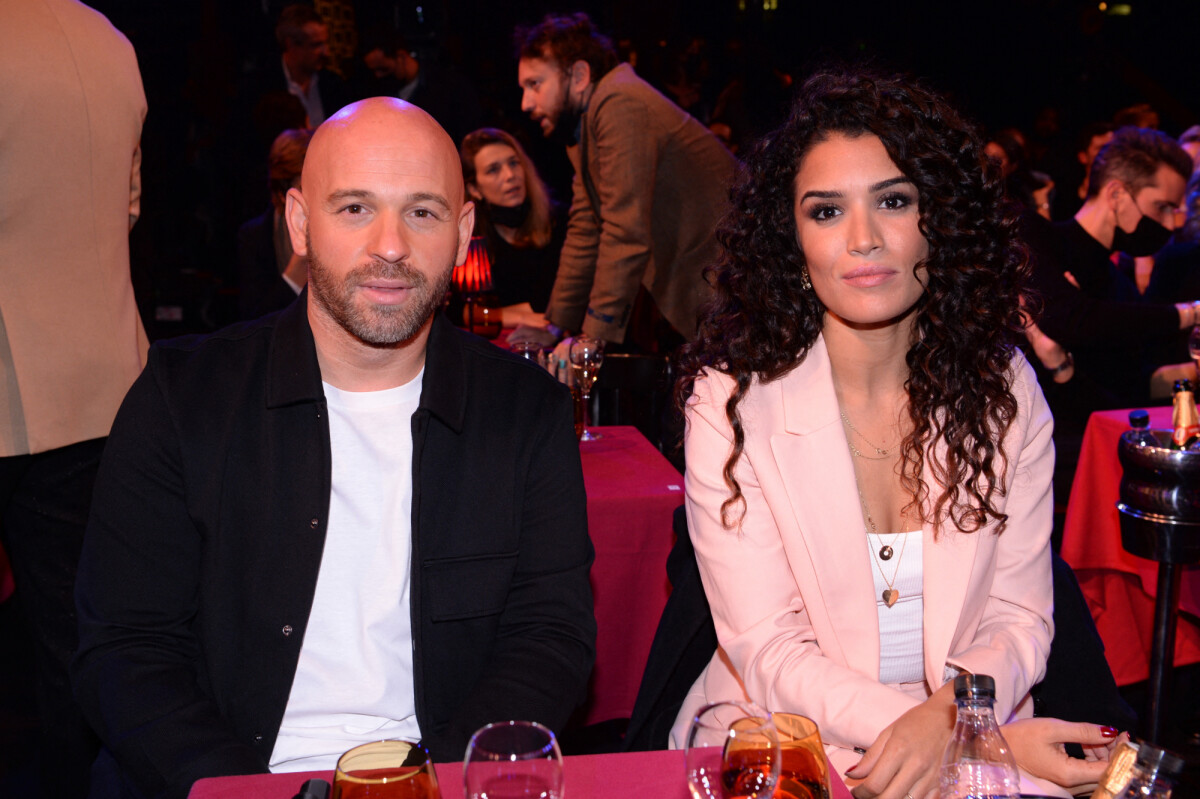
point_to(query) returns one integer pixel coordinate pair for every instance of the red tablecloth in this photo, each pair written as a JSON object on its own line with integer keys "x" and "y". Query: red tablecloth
{"x": 1119, "y": 587}
{"x": 632, "y": 492}
{"x": 655, "y": 775}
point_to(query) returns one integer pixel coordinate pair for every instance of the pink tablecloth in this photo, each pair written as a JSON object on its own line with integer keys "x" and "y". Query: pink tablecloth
{"x": 632, "y": 492}
{"x": 1119, "y": 587}
{"x": 641, "y": 774}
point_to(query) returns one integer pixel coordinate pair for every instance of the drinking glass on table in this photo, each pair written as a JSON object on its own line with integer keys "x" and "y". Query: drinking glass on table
{"x": 803, "y": 770}
{"x": 385, "y": 770}
{"x": 586, "y": 354}
{"x": 732, "y": 752}
{"x": 513, "y": 760}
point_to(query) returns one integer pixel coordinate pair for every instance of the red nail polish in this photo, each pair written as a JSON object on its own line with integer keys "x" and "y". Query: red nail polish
{"x": 1108, "y": 732}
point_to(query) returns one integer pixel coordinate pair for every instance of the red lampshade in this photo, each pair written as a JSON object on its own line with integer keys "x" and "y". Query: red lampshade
{"x": 475, "y": 274}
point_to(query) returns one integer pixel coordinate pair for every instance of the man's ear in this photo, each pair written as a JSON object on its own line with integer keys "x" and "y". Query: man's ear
{"x": 296, "y": 213}
{"x": 581, "y": 76}
{"x": 466, "y": 226}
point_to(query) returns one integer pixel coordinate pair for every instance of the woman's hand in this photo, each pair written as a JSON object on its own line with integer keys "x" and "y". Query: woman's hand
{"x": 903, "y": 761}
{"x": 538, "y": 335}
{"x": 1039, "y": 747}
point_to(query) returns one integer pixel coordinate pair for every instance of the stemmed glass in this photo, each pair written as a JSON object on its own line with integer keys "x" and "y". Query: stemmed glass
{"x": 587, "y": 354}
{"x": 386, "y": 770}
{"x": 732, "y": 752}
{"x": 513, "y": 760}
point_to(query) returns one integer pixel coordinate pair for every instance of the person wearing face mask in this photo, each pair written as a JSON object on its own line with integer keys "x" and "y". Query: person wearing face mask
{"x": 1108, "y": 331}
{"x": 523, "y": 226}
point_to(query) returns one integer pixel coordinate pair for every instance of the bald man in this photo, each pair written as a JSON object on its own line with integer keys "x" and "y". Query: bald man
{"x": 345, "y": 522}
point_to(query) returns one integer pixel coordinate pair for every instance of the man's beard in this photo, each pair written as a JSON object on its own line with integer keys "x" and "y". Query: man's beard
{"x": 566, "y": 123}
{"x": 375, "y": 325}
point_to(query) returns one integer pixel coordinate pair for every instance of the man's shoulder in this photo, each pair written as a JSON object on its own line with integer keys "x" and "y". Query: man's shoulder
{"x": 482, "y": 358}
{"x": 213, "y": 359}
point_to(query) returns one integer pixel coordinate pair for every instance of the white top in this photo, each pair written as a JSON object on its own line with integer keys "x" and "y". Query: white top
{"x": 354, "y": 680}
{"x": 901, "y": 642}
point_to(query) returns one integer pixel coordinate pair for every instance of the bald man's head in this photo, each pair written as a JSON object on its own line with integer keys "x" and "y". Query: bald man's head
{"x": 381, "y": 215}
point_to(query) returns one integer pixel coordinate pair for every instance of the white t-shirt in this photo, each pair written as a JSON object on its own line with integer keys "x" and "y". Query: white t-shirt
{"x": 354, "y": 680}
{"x": 901, "y": 637}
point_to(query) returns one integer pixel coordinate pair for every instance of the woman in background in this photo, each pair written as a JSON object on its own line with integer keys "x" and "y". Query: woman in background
{"x": 523, "y": 228}
{"x": 868, "y": 454}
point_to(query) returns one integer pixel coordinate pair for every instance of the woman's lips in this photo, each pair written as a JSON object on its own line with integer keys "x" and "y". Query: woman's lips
{"x": 869, "y": 275}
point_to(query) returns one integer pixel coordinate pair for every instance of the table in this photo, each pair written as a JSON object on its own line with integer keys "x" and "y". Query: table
{"x": 649, "y": 774}
{"x": 632, "y": 493}
{"x": 1120, "y": 587}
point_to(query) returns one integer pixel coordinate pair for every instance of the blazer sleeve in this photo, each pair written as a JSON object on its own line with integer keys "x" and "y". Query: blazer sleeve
{"x": 1016, "y": 625}
{"x": 135, "y": 673}
{"x": 761, "y": 618}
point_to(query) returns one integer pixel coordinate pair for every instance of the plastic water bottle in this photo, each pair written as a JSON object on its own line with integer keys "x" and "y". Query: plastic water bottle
{"x": 1139, "y": 423}
{"x": 978, "y": 763}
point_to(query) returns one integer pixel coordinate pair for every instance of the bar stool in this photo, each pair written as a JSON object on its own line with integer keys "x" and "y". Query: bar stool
{"x": 1160, "y": 521}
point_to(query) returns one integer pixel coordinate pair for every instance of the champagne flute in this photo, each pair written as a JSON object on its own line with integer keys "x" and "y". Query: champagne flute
{"x": 732, "y": 752}
{"x": 513, "y": 760}
{"x": 386, "y": 770}
{"x": 587, "y": 354}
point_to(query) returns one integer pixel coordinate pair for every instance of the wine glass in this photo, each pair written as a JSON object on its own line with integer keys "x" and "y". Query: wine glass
{"x": 513, "y": 760}
{"x": 732, "y": 752}
{"x": 587, "y": 354}
{"x": 803, "y": 771}
{"x": 386, "y": 770}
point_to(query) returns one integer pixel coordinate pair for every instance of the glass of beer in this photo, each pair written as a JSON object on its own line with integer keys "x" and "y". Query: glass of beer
{"x": 513, "y": 760}
{"x": 732, "y": 752}
{"x": 386, "y": 770}
{"x": 804, "y": 771}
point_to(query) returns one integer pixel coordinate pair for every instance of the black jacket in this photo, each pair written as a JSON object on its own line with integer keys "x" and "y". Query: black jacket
{"x": 207, "y": 529}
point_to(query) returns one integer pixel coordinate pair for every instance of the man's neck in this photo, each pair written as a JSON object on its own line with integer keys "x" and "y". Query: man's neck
{"x": 1099, "y": 222}
{"x": 296, "y": 73}
{"x": 349, "y": 364}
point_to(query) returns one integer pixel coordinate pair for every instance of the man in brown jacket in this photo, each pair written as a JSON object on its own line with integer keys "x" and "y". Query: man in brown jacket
{"x": 650, "y": 186}
{"x": 71, "y": 340}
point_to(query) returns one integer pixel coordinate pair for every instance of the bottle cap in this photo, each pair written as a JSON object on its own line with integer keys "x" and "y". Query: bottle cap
{"x": 1139, "y": 419}
{"x": 1152, "y": 758}
{"x": 974, "y": 686}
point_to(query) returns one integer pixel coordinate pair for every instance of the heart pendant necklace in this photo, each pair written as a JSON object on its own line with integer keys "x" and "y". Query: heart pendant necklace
{"x": 890, "y": 595}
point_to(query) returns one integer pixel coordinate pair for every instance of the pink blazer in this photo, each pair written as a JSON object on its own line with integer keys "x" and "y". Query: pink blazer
{"x": 792, "y": 594}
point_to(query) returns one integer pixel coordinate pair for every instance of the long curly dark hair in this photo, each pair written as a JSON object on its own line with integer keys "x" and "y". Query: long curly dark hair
{"x": 762, "y": 322}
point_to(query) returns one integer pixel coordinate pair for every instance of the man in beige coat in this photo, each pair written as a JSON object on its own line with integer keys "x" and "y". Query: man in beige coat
{"x": 71, "y": 340}
{"x": 650, "y": 186}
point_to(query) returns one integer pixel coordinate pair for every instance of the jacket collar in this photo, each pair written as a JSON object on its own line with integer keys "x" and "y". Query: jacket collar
{"x": 294, "y": 375}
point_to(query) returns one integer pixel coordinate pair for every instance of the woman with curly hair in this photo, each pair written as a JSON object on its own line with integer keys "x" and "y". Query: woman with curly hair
{"x": 868, "y": 454}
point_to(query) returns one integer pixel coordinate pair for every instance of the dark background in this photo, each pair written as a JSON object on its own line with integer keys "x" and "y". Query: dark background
{"x": 1004, "y": 63}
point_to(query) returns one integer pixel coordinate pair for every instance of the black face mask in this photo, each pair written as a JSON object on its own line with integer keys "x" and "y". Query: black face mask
{"x": 1147, "y": 238}
{"x": 513, "y": 216}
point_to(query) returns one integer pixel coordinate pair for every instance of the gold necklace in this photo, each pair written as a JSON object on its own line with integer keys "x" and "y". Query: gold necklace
{"x": 890, "y": 595}
{"x": 880, "y": 452}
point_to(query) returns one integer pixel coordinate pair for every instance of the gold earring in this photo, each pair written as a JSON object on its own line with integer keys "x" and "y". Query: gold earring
{"x": 805, "y": 282}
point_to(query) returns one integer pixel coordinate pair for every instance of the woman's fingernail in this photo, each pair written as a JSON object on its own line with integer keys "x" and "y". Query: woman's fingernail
{"x": 856, "y": 765}
{"x": 1108, "y": 732}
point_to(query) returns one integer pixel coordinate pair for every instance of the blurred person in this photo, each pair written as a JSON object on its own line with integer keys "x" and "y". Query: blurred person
{"x": 1112, "y": 335}
{"x": 1139, "y": 115}
{"x": 71, "y": 339}
{"x": 650, "y": 183}
{"x": 443, "y": 93}
{"x": 1030, "y": 189}
{"x": 303, "y": 39}
{"x": 1087, "y": 144}
{"x": 523, "y": 228}
{"x": 856, "y": 379}
{"x": 270, "y": 273}
{"x": 343, "y": 522}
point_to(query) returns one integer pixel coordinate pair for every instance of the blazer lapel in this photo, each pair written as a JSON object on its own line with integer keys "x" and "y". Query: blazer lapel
{"x": 821, "y": 488}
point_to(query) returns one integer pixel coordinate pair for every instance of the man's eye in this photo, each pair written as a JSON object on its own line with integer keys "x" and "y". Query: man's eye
{"x": 353, "y": 208}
